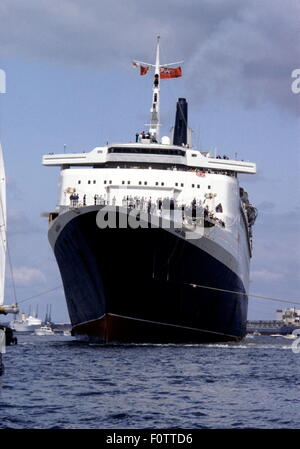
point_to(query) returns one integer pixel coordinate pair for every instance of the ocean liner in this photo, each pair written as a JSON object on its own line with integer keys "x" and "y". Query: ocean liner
{"x": 153, "y": 238}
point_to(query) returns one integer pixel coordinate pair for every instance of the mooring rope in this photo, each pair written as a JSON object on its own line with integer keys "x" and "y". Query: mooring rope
{"x": 268, "y": 298}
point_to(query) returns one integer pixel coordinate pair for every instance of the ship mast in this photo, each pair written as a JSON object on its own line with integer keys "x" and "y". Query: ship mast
{"x": 155, "y": 104}
{"x": 155, "y": 109}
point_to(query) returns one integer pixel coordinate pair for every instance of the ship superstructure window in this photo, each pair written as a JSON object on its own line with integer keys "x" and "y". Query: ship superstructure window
{"x": 105, "y": 182}
{"x": 208, "y": 187}
{"x": 137, "y": 150}
{"x": 193, "y": 185}
{"x": 145, "y": 183}
{"x": 123, "y": 182}
{"x": 110, "y": 182}
{"x": 89, "y": 181}
{"x": 140, "y": 183}
{"x": 162, "y": 183}
{"x": 79, "y": 182}
{"x": 181, "y": 185}
{"x": 94, "y": 182}
{"x": 156, "y": 183}
{"x": 176, "y": 184}
{"x": 128, "y": 182}
{"x": 198, "y": 186}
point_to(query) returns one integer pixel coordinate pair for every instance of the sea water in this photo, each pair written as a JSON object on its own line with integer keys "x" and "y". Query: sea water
{"x": 55, "y": 382}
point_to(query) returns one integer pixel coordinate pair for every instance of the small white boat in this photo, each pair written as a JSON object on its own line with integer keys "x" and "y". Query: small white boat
{"x": 44, "y": 330}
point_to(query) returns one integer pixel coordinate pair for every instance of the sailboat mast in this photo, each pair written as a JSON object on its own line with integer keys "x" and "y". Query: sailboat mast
{"x": 2, "y": 225}
{"x": 4, "y": 309}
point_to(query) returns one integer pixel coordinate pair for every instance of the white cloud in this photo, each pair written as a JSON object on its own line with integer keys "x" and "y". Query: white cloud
{"x": 19, "y": 223}
{"x": 25, "y": 276}
{"x": 266, "y": 275}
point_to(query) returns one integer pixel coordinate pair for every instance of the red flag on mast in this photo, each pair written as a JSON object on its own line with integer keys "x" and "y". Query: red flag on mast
{"x": 170, "y": 73}
{"x": 143, "y": 70}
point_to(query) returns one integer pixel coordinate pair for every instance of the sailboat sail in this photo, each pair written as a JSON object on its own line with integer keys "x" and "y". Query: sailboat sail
{"x": 2, "y": 226}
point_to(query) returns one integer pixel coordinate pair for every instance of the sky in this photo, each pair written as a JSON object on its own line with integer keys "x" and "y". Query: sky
{"x": 70, "y": 81}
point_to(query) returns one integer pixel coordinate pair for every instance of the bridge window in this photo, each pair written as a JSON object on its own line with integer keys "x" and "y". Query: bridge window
{"x": 136, "y": 150}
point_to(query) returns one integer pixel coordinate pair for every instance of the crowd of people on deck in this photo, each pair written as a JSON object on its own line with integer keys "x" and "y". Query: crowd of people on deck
{"x": 193, "y": 210}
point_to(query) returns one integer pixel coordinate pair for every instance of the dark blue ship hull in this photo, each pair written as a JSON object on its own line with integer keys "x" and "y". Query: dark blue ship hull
{"x": 138, "y": 285}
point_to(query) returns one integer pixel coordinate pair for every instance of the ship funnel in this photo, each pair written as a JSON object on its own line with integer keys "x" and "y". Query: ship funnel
{"x": 180, "y": 130}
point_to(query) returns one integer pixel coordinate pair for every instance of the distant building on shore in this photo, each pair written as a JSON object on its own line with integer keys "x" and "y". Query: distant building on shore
{"x": 286, "y": 321}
